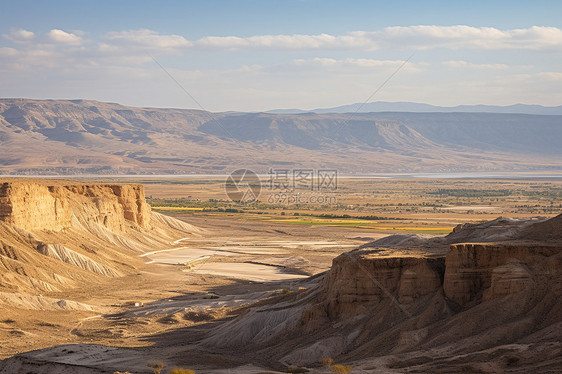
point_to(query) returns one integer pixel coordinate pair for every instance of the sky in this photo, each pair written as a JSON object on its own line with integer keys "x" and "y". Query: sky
{"x": 260, "y": 55}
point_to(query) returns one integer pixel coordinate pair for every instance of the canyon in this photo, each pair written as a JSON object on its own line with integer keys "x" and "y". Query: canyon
{"x": 484, "y": 298}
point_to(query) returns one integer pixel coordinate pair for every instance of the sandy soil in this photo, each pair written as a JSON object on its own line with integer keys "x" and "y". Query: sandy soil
{"x": 251, "y": 272}
{"x": 195, "y": 282}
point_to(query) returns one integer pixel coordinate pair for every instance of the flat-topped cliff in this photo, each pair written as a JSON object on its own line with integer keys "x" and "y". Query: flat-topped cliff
{"x": 483, "y": 271}
{"x": 55, "y": 234}
{"x": 51, "y": 206}
{"x": 357, "y": 283}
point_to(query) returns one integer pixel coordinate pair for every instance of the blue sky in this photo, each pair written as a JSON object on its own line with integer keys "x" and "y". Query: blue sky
{"x": 260, "y": 55}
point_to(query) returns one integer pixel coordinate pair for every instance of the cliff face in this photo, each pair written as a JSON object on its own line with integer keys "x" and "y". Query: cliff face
{"x": 56, "y": 234}
{"x": 33, "y": 206}
{"x": 476, "y": 272}
{"x": 471, "y": 273}
{"x": 356, "y": 284}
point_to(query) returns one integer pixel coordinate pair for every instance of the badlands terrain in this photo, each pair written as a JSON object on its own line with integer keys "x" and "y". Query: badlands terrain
{"x": 54, "y": 137}
{"x": 94, "y": 280}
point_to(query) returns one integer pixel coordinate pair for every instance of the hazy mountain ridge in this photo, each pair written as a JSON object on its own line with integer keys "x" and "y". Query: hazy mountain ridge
{"x": 81, "y": 136}
{"x": 384, "y": 106}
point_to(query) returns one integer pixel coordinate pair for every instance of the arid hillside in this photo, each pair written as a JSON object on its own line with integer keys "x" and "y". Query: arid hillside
{"x": 56, "y": 235}
{"x": 78, "y": 136}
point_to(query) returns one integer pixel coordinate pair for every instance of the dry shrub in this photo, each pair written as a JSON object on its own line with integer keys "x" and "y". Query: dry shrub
{"x": 199, "y": 316}
{"x": 181, "y": 371}
{"x": 340, "y": 369}
{"x": 327, "y": 361}
{"x": 156, "y": 366}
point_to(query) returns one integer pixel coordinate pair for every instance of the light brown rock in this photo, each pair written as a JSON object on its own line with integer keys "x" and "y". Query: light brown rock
{"x": 357, "y": 282}
{"x": 487, "y": 270}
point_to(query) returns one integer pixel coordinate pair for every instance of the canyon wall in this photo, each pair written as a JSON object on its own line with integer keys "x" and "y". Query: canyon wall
{"x": 33, "y": 206}
{"x": 412, "y": 302}
{"x": 469, "y": 274}
{"x": 356, "y": 283}
{"x": 44, "y": 206}
{"x": 477, "y": 272}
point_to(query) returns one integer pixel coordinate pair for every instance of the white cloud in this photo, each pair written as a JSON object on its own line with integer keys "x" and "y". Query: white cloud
{"x": 551, "y": 75}
{"x": 147, "y": 39}
{"x": 343, "y": 71}
{"x": 462, "y": 36}
{"x": 360, "y": 62}
{"x": 296, "y": 42}
{"x": 8, "y": 52}
{"x": 130, "y": 43}
{"x": 542, "y": 37}
{"x": 19, "y": 35}
{"x": 428, "y": 36}
{"x": 59, "y": 36}
{"x": 400, "y": 37}
{"x": 469, "y": 65}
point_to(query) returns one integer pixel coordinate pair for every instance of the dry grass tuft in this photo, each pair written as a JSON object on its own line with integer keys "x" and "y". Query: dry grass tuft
{"x": 156, "y": 366}
{"x": 181, "y": 371}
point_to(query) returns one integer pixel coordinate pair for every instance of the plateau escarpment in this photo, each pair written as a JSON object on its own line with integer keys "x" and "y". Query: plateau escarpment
{"x": 85, "y": 137}
{"x": 56, "y": 234}
{"x": 32, "y": 206}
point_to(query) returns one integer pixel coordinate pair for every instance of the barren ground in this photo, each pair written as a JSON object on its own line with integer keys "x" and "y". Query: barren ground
{"x": 238, "y": 258}
{"x": 255, "y": 253}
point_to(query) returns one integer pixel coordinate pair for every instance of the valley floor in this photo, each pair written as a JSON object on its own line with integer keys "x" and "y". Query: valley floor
{"x": 236, "y": 264}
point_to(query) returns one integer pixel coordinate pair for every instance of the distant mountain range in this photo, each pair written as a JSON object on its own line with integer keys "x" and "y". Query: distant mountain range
{"x": 382, "y": 106}
{"x": 82, "y": 136}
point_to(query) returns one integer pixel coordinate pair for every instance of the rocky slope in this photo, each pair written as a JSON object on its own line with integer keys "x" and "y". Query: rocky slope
{"x": 78, "y": 136}
{"x": 56, "y": 234}
{"x": 488, "y": 307}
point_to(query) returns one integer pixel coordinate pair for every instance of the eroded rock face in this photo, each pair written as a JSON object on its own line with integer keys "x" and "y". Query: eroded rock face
{"x": 132, "y": 199}
{"x": 508, "y": 279}
{"x": 33, "y": 206}
{"x": 476, "y": 272}
{"x": 57, "y": 234}
{"x": 357, "y": 282}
